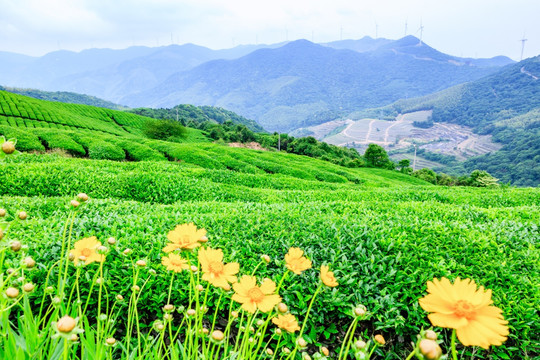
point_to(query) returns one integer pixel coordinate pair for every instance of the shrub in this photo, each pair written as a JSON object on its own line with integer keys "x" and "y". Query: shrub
{"x": 105, "y": 151}
{"x": 59, "y": 140}
{"x": 164, "y": 130}
{"x": 26, "y": 141}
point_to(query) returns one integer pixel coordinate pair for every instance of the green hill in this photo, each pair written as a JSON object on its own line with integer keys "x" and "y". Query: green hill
{"x": 505, "y": 104}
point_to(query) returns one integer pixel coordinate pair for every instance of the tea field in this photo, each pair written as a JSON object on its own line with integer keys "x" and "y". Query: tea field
{"x": 384, "y": 234}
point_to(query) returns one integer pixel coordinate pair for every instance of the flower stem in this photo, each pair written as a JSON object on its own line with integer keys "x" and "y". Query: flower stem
{"x": 453, "y": 345}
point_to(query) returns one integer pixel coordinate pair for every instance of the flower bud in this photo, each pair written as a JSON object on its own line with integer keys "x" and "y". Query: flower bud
{"x": 66, "y": 324}
{"x": 234, "y": 314}
{"x": 282, "y": 308}
{"x": 430, "y": 335}
{"x": 430, "y": 349}
{"x": 359, "y": 344}
{"x": 279, "y": 332}
{"x": 200, "y": 287}
{"x": 160, "y": 327}
{"x": 152, "y": 271}
{"x": 325, "y": 351}
{"x": 29, "y": 262}
{"x": 82, "y": 259}
{"x": 194, "y": 268}
{"x": 191, "y": 312}
{"x": 15, "y": 245}
{"x": 102, "y": 250}
{"x": 260, "y": 323}
{"x": 301, "y": 343}
{"x": 141, "y": 263}
{"x": 71, "y": 257}
{"x": 286, "y": 350}
{"x": 56, "y": 300}
{"x": 102, "y": 317}
{"x": 168, "y": 308}
{"x": 110, "y": 341}
{"x": 28, "y": 287}
{"x": 119, "y": 297}
{"x": 359, "y": 310}
{"x": 269, "y": 351}
{"x": 266, "y": 258}
{"x": 127, "y": 251}
{"x": 49, "y": 290}
{"x": 305, "y": 356}
{"x": 203, "y": 239}
{"x": 8, "y": 147}
{"x": 167, "y": 317}
{"x": 135, "y": 288}
{"x": 380, "y": 339}
{"x": 1, "y": 234}
{"x": 82, "y": 197}
{"x": 205, "y": 331}
{"x": 12, "y": 292}
{"x": 218, "y": 335}
{"x": 74, "y": 337}
{"x": 3, "y": 212}
{"x": 111, "y": 241}
{"x": 22, "y": 215}
{"x": 75, "y": 203}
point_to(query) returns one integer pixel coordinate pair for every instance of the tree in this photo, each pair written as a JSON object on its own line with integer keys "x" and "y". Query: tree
{"x": 404, "y": 165}
{"x": 376, "y": 156}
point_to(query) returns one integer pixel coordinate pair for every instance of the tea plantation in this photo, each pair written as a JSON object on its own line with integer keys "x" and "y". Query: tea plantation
{"x": 384, "y": 234}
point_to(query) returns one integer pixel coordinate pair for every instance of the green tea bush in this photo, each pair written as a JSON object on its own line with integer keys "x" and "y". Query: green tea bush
{"x": 26, "y": 141}
{"x": 137, "y": 151}
{"x": 105, "y": 151}
{"x": 59, "y": 140}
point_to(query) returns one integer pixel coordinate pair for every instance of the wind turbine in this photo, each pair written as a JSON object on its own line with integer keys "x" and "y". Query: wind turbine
{"x": 421, "y": 29}
{"x": 405, "y": 27}
{"x": 522, "y": 46}
{"x": 376, "y": 30}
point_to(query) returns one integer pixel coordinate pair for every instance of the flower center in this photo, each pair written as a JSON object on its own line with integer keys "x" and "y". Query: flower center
{"x": 255, "y": 294}
{"x": 86, "y": 252}
{"x": 464, "y": 308}
{"x": 176, "y": 263}
{"x": 186, "y": 239}
{"x": 215, "y": 267}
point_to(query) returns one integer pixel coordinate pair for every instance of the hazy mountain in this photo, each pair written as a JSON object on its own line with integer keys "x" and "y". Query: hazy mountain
{"x": 362, "y": 45}
{"x": 302, "y": 83}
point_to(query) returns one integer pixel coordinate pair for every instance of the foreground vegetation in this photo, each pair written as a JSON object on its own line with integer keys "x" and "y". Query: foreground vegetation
{"x": 383, "y": 235}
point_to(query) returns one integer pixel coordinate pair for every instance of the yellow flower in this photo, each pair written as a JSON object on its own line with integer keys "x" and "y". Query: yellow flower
{"x": 175, "y": 263}
{"x": 286, "y": 322}
{"x": 253, "y": 297}
{"x": 327, "y": 277}
{"x": 462, "y": 307}
{"x": 185, "y": 237}
{"x": 214, "y": 271}
{"x": 87, "y": 247}
{"x": 296, "y": 262}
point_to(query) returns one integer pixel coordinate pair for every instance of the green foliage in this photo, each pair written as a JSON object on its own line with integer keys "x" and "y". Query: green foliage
{"x": 426, "y": 175}
{"x": 376, "y": 156}
{"x": 167, "y": 130}
{"x": 25, "y": 141}
{"x": 59, "y": 140}
{"x": 383, "y": 243}
{"x": 105, "y": 151}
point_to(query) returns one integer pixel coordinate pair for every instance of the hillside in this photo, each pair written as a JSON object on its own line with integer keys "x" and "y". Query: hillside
{"x": 504, "y": 105}
{"x": 303, "y": 83}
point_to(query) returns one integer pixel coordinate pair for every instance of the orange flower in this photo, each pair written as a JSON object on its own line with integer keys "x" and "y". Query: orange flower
{"x": 214, "y": 271}
{"x": 87, "y": 247}
{"x": 462, "y": 307}
{"x": 296, "y": 262}
{"x": 286, "y": 322}
{"x": 327, "y": 277}
{"x": 175, "y": 263}
{"x": 253, "y": 297}
{"x": 185, "y": 237}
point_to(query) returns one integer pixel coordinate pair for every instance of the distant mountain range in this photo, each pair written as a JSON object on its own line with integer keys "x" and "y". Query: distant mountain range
{"x": 281, "y": 86}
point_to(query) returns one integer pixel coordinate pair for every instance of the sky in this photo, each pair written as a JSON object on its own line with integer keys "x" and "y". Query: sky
{"x": 466, "y": 28}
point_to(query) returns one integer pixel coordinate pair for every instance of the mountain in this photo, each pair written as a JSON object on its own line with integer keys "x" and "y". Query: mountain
{"x": 303, "y": 83}
{"x": 107, "y": 73}
{"x": 505, "y": 105}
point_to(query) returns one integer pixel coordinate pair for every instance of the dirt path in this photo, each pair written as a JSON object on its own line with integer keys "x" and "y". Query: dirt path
{"x": 370, "y": 127}
{"x": 399, "y": 120}
{"x": 345, "y": 131}
{"x": 528, "y": 73}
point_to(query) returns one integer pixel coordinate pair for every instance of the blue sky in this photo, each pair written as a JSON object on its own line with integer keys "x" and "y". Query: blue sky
{"x": 468, "y": 28}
